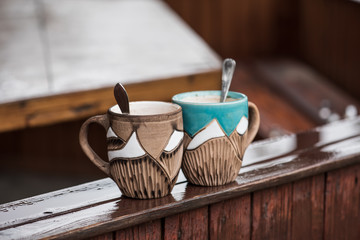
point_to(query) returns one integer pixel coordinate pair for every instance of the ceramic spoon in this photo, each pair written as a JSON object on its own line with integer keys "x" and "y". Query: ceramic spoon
{"x": 121, "y": 98}
{"x": 227, "y": 74}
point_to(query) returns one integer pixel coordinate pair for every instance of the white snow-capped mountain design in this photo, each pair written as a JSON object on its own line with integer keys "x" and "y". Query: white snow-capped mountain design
{"x": 133, "y": 148}
{"x": 214, "y": 130}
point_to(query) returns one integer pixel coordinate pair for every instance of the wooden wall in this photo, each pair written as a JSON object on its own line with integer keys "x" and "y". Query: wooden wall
{"x": 322, "y": 33}
{"x": 241, "y": 29}
{"x": 329, "y": 36}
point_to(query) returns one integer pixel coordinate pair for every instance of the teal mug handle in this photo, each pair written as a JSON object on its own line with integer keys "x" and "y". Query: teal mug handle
{"x": 254, "y": 123}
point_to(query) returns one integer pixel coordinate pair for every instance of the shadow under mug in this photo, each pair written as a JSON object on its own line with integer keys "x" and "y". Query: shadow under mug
{"x": 216, "y": 135}
{"x": 145, "y": 147}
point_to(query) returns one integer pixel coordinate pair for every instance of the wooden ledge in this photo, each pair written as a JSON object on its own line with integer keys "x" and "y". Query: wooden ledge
{"x": 98, "y": 207}
{"x": 57, "y": 108}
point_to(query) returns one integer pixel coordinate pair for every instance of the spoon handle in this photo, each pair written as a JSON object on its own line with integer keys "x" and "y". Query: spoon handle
{"x": 121, "y": 98}
{"x": 227, "y": 74}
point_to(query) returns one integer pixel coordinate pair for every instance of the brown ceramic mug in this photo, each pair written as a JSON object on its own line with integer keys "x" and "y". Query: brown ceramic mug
{"x": 144, "y": 147}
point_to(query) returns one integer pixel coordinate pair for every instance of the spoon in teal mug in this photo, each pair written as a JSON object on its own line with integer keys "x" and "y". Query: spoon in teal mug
{"x": 227, "y": 74}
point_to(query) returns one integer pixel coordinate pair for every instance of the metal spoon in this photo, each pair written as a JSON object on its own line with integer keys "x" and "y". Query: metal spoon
{"x": 121, "y": 98}
{"x": 227, "y": 74}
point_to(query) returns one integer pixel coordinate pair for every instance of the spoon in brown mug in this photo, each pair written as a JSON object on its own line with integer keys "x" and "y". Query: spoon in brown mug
{"x": 122, "y": 98}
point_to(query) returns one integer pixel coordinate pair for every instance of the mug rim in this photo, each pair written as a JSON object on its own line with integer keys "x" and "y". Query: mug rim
{"x": 240, "y": 97}
{"x": 167, "y": 114}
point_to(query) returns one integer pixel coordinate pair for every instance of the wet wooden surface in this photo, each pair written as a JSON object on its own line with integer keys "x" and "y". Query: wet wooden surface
{"x": 342, "y": 204}
{"x": 230, "y": 219}
{"x": 306, "y": 89}
{"x": 283, "y": 180}
{"x": 55, "y": 55}
{"x": 308, "y": 208}
{"x": 187, "y": 225}
{"x": 286, "y": 89}
{"x": 275, "y": 111}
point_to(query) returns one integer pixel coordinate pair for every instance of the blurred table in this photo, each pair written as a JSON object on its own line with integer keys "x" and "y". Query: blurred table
{"x": 59, "y": 60}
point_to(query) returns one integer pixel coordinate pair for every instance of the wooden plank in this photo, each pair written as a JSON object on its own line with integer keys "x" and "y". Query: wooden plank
{"x": 121, "y": 41}
{"x": 271, "y": 214}
{"x": 262, "y": 28}
{"x": 57, "y": 202}
{"x": 329, "y": 42}
{"x": 188, "y": 225}
{"x": 77, "y": 105}
{"x": 231, "y": 219}
{"x": 22, "y": 61}
{"x": 107, "y": 236}
{"x": 269, "y": 163}
{"x": 204, "y": 17}
{"x": 275, "y": 111}
{"x": 147, "y": 231}
{"x": 342, "y": 211}
{"x": 306, "y": 89}
{"x": 308, "y": 208}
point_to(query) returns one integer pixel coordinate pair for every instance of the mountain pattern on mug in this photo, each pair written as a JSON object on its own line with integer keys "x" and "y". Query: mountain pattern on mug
{"x": 145, "y": 157}
{"x": 212, "y": 157}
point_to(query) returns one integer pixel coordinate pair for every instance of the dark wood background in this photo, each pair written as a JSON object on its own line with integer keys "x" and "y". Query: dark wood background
{"x": 324, "y": 34}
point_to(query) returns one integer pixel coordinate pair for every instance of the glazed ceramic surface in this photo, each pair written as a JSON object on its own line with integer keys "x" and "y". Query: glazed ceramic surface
{"x": 198, "y": 115}
{"x": 145, "y": 147}
{"x": 216, "y": 135}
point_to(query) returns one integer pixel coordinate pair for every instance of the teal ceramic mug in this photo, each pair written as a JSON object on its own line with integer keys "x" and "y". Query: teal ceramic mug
{"x": 216, "y": 135}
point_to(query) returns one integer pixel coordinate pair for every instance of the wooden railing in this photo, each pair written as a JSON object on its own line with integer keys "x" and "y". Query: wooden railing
{"x": 298, "y": 186}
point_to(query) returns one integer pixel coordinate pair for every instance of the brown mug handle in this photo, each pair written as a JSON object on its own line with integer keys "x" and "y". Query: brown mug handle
{"x": 84, "y": 143}
{"x": 254, "y": 123}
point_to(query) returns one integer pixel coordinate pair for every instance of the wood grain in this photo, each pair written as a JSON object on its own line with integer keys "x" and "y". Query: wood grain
{"x": 320, "y": 33}
{"x": 147, "y": 231}
{"x": 329, "y": 41}
{"x": 231, "y": 219}
{"x": 271, "y": 214}
{"x": 254, "y": 34}
{"x": 188, "y": 225}
{"x": 107, "y": 236}
{"x": 342, "y": 212}
{"x": 308, "y": 208}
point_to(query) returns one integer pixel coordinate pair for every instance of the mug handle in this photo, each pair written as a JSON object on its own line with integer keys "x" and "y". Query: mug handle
{"x": 254, "y": 123}
{"x": 84, "y": 143}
